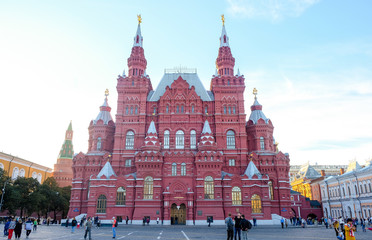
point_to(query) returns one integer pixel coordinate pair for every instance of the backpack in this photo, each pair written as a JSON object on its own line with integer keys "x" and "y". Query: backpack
{"x": 230, "y": 224}
{"x": 249, "y": 224}
{"x": 116, "y": 223}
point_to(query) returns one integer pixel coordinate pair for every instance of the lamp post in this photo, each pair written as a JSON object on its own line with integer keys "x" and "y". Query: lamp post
{"x": 2, "y": 195}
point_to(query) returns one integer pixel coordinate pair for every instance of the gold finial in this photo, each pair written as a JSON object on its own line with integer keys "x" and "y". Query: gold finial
{"x": 255, "y": 93}
{"x": 139, "y": 18}
{"x": 223, "y": 19}
{"x": 106, "y": 92}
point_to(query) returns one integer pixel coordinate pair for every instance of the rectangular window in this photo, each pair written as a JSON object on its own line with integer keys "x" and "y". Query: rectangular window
{"x": 231, "y": 162}
{"x": 206, "y": 109}
{"x": 128, "y": 162}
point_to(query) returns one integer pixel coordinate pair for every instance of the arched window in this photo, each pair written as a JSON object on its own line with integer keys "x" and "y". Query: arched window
{"x": 120, "y": 196}
{"x": 179, "y": 139}
{"x": 236, "y": 196}
{"x": 356, "y": 189}
{"x": 224, "y": 110}
{"x": 370, "y": 187}
{"x": 348, "y": 188}
{"x": 193, "y": 139}
{"x": 132, "y": 82}
{"x": 182, "y": 109}
{"x": 126, "y": 110}
{"x": 256, "y": 204}
{"x": 129, "y": 141}
{"x": 234, "y": 110}
{"x": 262, "y": 143}
{"x": 271, "y": 190}
{"x": 192, "y": 108}
{"x": 228, "y": 82}
{"x": 230, "y": 139}
{"x": 208, "y": 188}
{"x": 174, "y": 169}
{"x": 167, "y": 109}
{"x": 229, "y": 109}
{"x": 101, "y": 204}
{"x": 131, "y": 110}
{"x": 206, "y": 109}
{"x": 15, "y": 173}
{"x": 2, "y": 166}
{"x": 154, "y": 112}
{"x": 34, "y": 175}
{"x": 136, "y": 111}
{"x": 39, "y": 177}
{"x": 365, "y": 188}
{"x": 99, "y": 144}
{"x": 166, "y": 139}
{"x": 183, "y": 169}
{"x": 343, "y": 191}
{"x": 22, "y": 173}
{"x": 148, "y": 188}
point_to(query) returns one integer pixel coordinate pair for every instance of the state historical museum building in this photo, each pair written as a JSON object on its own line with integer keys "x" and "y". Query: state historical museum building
{"x": 180, "y": 152}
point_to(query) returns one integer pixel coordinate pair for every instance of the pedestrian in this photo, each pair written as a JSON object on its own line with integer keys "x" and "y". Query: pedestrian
{"x": 127, "y": 220}
{"x": 325, "y": 220}
{"x": 18, "y": 229}
{"x": 209, "y": 221}
{"x": 157, "y": 220}
{"x": 237, "y": 219}
{"x": 244, "y": 226}
{"x": 114, "y": 225}
{"x": 35, "y": 225}
{"x": 73, "y": 225}
{"x": 99, "y": 223}
{"x": 282, "y": 222}
{"x": 148, "y": 221}
{"x": 143, "y": 221}
{"x": 6, "y": 227}
{"x": 349, "y": 230}
{"x": 364, "y": 222}
{"x": 11, "y": 228}
{"x": 286, "y": 223}
{"x": 336, "y": 226}
{"x": 229, "y": 227}
{"x": 255, "y": 222}
{"x": 88, "y": 228}
{"x": 342, "y": 222}
{"x": 67, "y": 220}
{"x": 28, "y": 227}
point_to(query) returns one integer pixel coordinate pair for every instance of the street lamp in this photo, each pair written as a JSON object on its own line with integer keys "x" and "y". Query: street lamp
{"x": 2, "y": 195}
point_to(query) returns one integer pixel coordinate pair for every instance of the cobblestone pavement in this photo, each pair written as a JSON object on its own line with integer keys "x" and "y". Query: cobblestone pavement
{"x": 158, "y": 232}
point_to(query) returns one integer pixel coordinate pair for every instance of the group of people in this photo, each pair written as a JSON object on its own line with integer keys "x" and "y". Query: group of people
{"x": 15, "y": 225}
{"x": 347, "y": 231}
{"x": 237, "y": 227}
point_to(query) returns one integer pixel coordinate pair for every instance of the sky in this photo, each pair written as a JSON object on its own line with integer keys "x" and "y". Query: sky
{"x": 310, "y": 60}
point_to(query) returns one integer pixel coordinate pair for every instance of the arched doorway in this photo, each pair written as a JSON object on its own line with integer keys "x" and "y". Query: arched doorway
{"x": 311, "y": 216}
{"x": 350, "y": 212}
{"x": 178, "y": 214}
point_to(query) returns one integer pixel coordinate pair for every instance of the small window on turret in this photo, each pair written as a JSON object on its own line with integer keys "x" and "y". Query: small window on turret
{"x": 206, "y": 109}
{"x": 228, "y": 82}
{"x": 167, "y": 109}
{"x": 136, "y": 111}
{"x": 137, "y": 40}
{"x": 229, "y": 110}
{"x": 224, "y": 109}
{"x": 132, "y": 82}
{"x": 182, "y": 109}
{"x": 233, "y": 109}
{"x": 192, "y": 109}
{"x": 126, "y": 111}
{"x": 224, "y": 38}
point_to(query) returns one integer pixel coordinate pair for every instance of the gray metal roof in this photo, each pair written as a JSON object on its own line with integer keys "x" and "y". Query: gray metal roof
{"x": 252, "y": 170}
{"x": 103, "y": 115}
{"x": 257, "y": 114}
{"x": 191, "y": 78}
{"x": 106, "y": 171}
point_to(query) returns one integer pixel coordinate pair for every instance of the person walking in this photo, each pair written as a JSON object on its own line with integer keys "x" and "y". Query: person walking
{"x": 35, "y": 225}
{"x": 73, "y": 225}
{"x": 336, "y": 226}
{"x": 114, "y": 225}
{"x": 325, "y": 220}
{"x": 209, "y": 221}
{"x": 157, "y": 220}
{"x": 127, "y": 220}
{"x": 282, "y": 222}
{"x": 229, "y": 227}
{"x": 67, "y": 221}
{"x": 244, "y": 224}
{"x": 6, "y": 227}
{"x": 28, "y": 227}
{"x": 88, "y": 228}
{"x": 11, "y": 228}
{"x": 255, "y": 222}
{"x": 18, "y": 229}
{"x": 237, "y": 219}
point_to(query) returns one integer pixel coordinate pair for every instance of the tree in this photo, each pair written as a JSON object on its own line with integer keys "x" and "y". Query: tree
{"x": 25, "y": 195}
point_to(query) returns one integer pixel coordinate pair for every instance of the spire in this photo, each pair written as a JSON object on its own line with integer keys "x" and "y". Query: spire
{"x": 104, "y": 113}
{"x": 138, "y": 39}
{"x": 67, "y": 149}
{"x": 106, "y": 171}
{"x": 152, "y": 140}
{"x": 252, "y": 170}
{"x": 238, "y": 73}
{"x": 256, "y": 109}
{"x": 137, "y": 62}
{"x": 123, "y": 74}
{"x": 207, "y": 141}
{"x": 225, "y": 62}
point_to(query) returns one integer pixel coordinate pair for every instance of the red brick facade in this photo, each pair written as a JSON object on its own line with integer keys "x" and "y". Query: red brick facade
{"x": 181, "y": 153}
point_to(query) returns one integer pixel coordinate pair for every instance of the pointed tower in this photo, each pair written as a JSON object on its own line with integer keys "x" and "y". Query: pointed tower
{"x": 151, "y": 140}
{"x": 225, "y": 62}
{"x": 63, "y": 168}
{"x": 260, "y": 129}
{"x": 137, "y": 62}
{"x": 102, "y": 129}
{"x": 207, "y": 141}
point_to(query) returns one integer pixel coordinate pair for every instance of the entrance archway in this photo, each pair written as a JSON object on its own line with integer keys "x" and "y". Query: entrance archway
{"x": 178, "y": 214}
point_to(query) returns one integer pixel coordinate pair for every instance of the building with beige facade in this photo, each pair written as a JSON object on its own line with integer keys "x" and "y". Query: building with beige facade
{"x": 18, "y": 167}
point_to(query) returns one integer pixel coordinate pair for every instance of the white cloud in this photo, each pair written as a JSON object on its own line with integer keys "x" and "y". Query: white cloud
{"x": 274, "y": 10}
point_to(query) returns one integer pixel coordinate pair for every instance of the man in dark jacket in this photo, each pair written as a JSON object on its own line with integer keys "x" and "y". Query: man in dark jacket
{"x": 245, "y": 226}
{"x": 229, "y": 227}
{"x": 237, "y": 219}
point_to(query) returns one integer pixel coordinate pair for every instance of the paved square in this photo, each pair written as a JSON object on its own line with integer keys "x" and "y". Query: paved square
{"x": 158, "y": 232}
